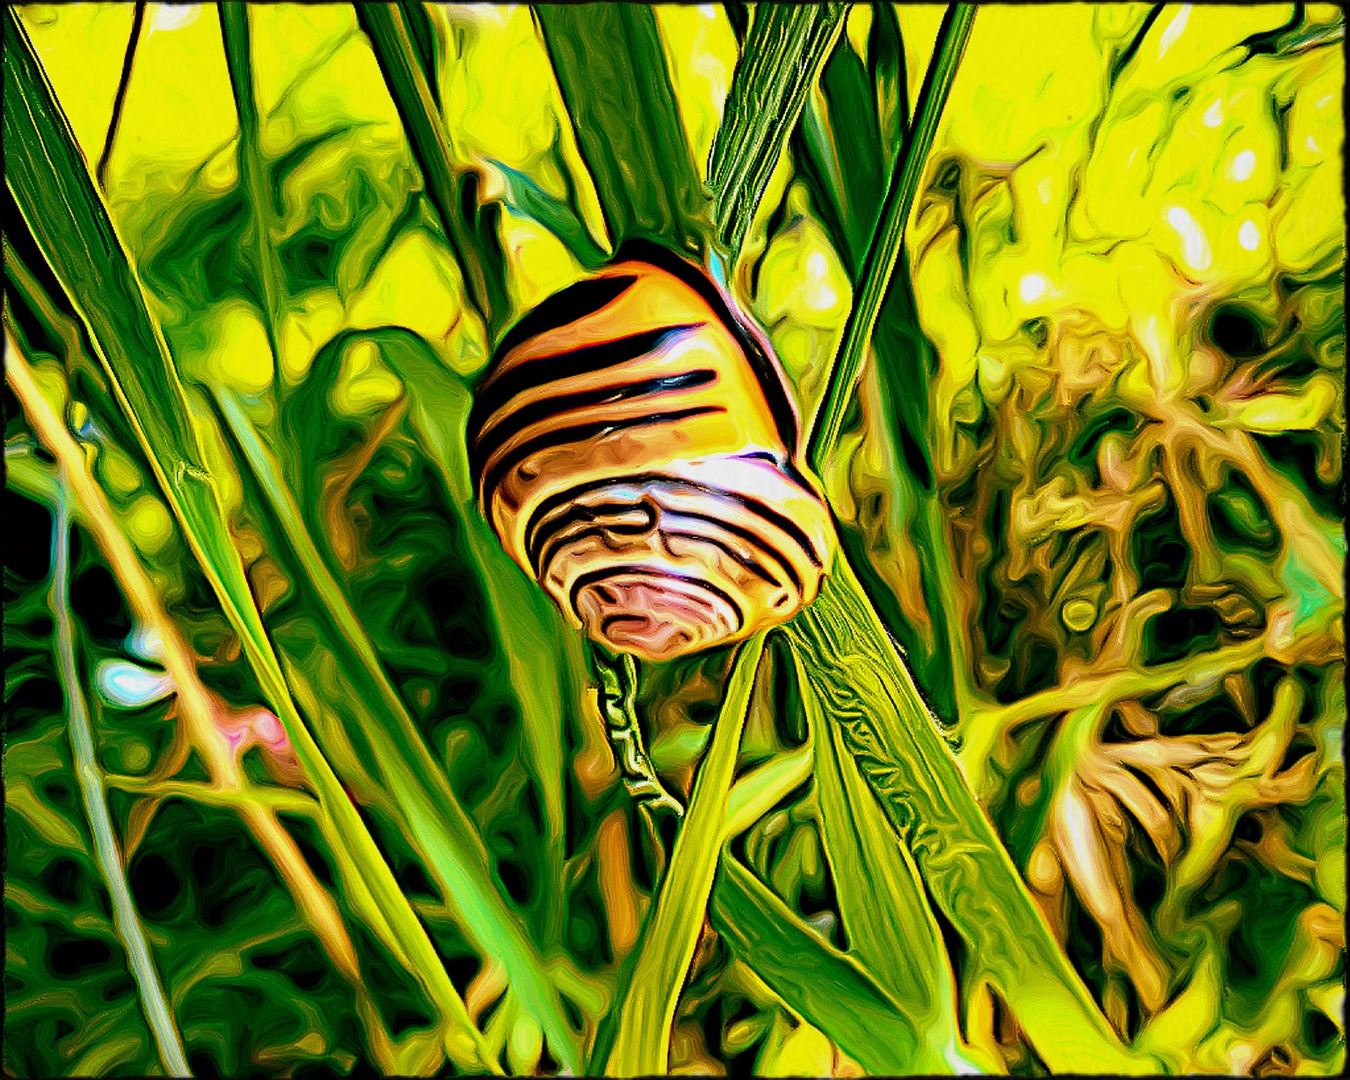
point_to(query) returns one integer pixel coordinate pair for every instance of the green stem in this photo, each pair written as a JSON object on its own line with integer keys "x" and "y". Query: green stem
{"x": 787, "y": 46}
{"x": 885, "y": 246}
{"x": 128, "y": 61}
{"x": 92, "y": 788}
{"x": 657, "y": 968}
{"x": 446, "y": 187}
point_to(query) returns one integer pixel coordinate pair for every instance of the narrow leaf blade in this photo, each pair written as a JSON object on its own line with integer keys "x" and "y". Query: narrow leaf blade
{"x": 611, "y": 69}
{"x": 780, "y": 62}
{"x": 825, "y": 987}
{"x": 895, "y": 741}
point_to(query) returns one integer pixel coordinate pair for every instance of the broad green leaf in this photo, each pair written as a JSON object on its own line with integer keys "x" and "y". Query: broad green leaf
{"x": 895, "y": 741}
{"x": 655, "y": 972}
{"x": 780, "y": 61}
{"x": 611, "y": 68}
{"x": 55, "y": 192}
{"x": 826, "y": 988}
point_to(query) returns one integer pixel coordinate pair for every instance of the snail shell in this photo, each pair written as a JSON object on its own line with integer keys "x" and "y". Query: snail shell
{"x": 637, "y": 452}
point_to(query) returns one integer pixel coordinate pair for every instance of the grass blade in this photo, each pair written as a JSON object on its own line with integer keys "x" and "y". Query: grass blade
{"x": 470, "y": 231}
{"x": 234, "y": 32}
{"x": 447, "y": 838}
{"x": 895, "y": 741}
{"x": 92, "y": 509}
{"x": 528, "y": 624}
{"x": 886, "y": 726}
{"x": 655, "y": 972}
{"x": 124, "y": 80}
{"x": 826, "y": 988}
{"x": 885, "y": 245}
{"x": 786, "y": 48}
{"x": 627, "y": 122}
{"x": 528, "y": 199}
{"x": 887, "y": 921}
{"x": 92, "y": 789}
{"x": 844, "y": 152}
{"x": 55, "y": 192}
{"x": 441, "y": 828}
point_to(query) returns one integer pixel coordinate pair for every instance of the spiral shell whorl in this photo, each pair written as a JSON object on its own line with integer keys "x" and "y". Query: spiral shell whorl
{"x": 635, "y": 450}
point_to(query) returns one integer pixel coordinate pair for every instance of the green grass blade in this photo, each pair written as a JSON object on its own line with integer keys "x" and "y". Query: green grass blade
{"x": 826, "y": 988}
{"x": 470, "y": 230}
{"x": 55, "y": 193}
{"x": 761, "y": 789}
{"x": 858, "y": 673}
{"x": 940, "y": 822}
{"x": 423, "y": 37}
{"x": 441, "y": 828}
{"x": 628, "y": 128}
{"x": 780, "y": 63}
{"x": 887, "y": 921}
{"x": 845, "y": 147}
{"x": 652, "y": 979}
{"x": 844, "y": 153}
{"x": 528, "y": 199}
{"x": 92, "y": 789}
{"x": 234, "y": 31}
{"x": 884, "y": 249}
{"x": 124, "y": 80}
{"x": 528, "y": 625}
{"x": 447, "y": 838}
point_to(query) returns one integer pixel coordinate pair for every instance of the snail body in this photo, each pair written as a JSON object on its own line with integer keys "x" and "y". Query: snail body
{"x": 637, "y": 452}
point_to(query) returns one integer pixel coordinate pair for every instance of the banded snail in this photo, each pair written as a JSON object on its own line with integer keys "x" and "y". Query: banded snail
{"x": 636, "y": 450}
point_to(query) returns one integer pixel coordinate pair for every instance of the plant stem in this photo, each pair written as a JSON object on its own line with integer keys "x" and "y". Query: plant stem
{"x": 128, "y": 61}
{"x": 92, "y": 789}
{"x": 656, "y": 970}
{"x": 787, "y": 46}
{"x": 884, "y": 248}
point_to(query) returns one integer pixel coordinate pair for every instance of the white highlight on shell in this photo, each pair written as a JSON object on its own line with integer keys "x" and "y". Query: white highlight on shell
{"x": 1033, "y": 287}
{"x": 1214, "y": 114}
{"x": 1244, "y": 164}
{"x": 1249, "y": 236}
{"x": 1195, "y": 246}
